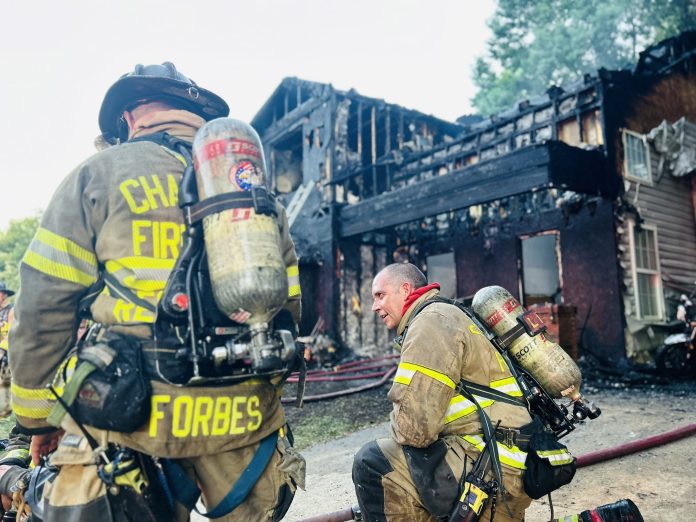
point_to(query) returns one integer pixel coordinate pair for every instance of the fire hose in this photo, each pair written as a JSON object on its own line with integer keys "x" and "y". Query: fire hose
{"x": 582, "y": 461}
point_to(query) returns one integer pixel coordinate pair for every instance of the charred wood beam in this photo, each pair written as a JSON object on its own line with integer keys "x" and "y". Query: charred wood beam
{"x": 552, "y": 164}
{"x": 291, "y": 120}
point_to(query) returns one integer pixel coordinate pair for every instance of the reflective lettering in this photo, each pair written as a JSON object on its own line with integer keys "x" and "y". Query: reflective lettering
{"x": 236, "y": 416}
{"x": 147, "y": 193}
{"x": 156, "y": 414}
{"x": 201, "y": 420}
{"x": 204, "y": 416}
{"x": 254, "y": 413}
{"x": 185, "y": 403}
{"x": 163, "y": 236}
{"x": 221, "y": 416}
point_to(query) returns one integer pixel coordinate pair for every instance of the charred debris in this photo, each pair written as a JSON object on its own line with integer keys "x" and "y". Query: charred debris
{"x": 579, "y": 201}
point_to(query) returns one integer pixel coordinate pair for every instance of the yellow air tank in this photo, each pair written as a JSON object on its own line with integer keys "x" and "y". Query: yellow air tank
{"x": 545, "y": 360}
{"x": 245, "y": 261}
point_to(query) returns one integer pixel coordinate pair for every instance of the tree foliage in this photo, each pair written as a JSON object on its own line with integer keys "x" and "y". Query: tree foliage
{"x": 539, "y": 43}
{"x": 13, "y": 243}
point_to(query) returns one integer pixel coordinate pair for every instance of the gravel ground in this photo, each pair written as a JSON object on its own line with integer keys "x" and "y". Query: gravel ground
{"x": 658, "y": 480}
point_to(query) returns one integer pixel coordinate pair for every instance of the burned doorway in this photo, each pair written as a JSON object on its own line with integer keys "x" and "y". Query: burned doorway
{"x": 540, "y": 268}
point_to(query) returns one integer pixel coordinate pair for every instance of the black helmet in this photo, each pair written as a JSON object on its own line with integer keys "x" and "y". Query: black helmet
{"x": 3, "y": 288}
{"x": 155, "y": 82}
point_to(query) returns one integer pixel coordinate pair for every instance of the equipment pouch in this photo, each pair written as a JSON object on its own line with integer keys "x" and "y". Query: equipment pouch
{"x": 549, "y": 464}
{"x": 108, "y": 389}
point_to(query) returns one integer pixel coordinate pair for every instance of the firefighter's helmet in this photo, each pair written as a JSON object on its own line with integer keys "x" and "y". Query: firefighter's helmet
{"x": 5, "y": 290}
{"x": 155, "y": 83}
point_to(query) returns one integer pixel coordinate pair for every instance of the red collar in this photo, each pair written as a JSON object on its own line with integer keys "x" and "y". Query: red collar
{"x": 413, "y": 296}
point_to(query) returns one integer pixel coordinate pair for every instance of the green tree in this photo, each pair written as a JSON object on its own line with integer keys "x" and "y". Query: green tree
{"x": 539, "y": 43}
{"x": 13, "y": 243}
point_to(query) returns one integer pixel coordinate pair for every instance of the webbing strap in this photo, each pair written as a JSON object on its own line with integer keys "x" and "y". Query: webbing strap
{"x": 257, "y": 198}
{"x": 72, "y": 388}
{"x": 187, "y": 493}
{"x": 489, "y": 393}
{"x": 126, "y": 293}
{"x": 488, "y": 437}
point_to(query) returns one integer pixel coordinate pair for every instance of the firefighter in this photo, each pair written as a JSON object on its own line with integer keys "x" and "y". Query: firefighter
{"x": 435, "y": 432}
{"x": 6, "y": 315}
{"x": 107, "y": 243}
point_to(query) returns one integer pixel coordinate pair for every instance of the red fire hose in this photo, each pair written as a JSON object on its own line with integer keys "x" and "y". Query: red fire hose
{"x": 346, "y": 391}
{"x": 582, "y": 461}
{"x": 633, "y": 447}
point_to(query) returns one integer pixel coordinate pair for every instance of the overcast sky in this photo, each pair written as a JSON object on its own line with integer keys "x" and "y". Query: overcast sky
{"x": 58, "y": 58}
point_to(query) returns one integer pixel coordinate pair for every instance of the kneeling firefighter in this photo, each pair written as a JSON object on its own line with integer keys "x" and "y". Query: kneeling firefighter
{"x": 191, "y": 280}
{"x": 474, "y": 433}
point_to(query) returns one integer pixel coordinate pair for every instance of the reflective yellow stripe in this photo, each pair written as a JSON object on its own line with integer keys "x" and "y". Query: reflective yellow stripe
{"x": 65, "y": 245}
{"x": 294, "y": 281}
{"x": 508, "y": 385}
{"x": 460, "y": 406}
{"x": 513, "y": 457}
{"x": 441, "y": 377}
{"x": 32, "y": 413}
{"x": 33, "y": 394}
{"x": 59, "y": 270}
{"x": 142, "y": 262}
{"x": 404, "y": 376}
{"x": 556, "y": 457}
{"x": 32, "y": 403}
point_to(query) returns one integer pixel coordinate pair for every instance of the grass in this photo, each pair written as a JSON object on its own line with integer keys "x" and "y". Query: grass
{"x": 6, "y": 425}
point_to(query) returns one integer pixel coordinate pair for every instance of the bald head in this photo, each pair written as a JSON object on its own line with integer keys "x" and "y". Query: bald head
{"x": 391, "y": 287}
{"x": 404, "y": 273}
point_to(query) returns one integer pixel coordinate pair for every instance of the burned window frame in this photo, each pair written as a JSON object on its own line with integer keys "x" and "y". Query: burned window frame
{"x": 655, "y": 273}
{"x": 626, "y": 136}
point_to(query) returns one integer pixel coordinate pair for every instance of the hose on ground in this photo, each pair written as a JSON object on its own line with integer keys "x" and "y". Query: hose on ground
{"x": 582, "y": 461}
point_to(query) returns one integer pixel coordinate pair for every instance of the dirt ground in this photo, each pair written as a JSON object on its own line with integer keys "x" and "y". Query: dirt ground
{"x": 659, "y": 480}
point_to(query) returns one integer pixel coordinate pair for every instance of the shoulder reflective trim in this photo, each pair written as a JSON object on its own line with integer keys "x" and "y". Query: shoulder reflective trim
{"x": 441, "y": 377}
{"x": 513, "y": 457}
{"x": 556, "y": 457}
{"x": 508, "y": 385}
{"x": 293, "y": 281}
{"x": 176, "y": 155}
{"x": 460, "y": 407}
{"x": 404, "y": 376}
{"x": 65, "y": 245}
{"x": 501, "y": 362}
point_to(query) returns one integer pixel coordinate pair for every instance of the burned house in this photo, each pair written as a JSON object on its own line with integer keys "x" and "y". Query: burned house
{"x": 578, "y": 201}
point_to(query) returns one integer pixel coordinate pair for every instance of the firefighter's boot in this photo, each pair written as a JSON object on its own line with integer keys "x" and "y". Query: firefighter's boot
{"x": 621, "y": 511}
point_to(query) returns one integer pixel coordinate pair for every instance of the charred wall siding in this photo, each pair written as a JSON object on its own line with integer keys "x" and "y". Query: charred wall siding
{"x": 666, "y": 204}
{"x": 590, "y": 277}
{"x": 359, "y": 328}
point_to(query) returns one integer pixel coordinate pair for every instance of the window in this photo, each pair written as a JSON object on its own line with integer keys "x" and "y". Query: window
{"x": 541, "y": 274}
{"x": 647, "y": 281}
{"x": 442, "y": 269}
{"x": 636, "y": 157}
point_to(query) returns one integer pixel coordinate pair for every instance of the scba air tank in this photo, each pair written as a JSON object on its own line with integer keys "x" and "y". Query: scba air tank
{"x": 545, "y": 360}
{"x": 244, "y": 250}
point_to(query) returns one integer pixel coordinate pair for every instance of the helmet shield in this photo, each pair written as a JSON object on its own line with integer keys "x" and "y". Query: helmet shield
{"x": 156, "y": 83}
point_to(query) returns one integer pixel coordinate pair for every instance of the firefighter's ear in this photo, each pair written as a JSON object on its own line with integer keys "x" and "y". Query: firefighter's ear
{"x": 406, "y": 288}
